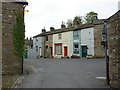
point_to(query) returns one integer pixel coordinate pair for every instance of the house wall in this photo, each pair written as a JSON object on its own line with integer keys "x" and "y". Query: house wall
{"x": 66, "y": 41}
{"x": 76, "y": 41}
{"x": 48, "y": 43}
{"x": 87, "y": 38}
{"x": 37, "y": 41}
{"x": 10, "y": 62}
{"x": 99, "y": 50}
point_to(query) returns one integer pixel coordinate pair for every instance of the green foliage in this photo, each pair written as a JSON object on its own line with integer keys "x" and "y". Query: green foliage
{"x": 19, "y": 35}
{"x": 77, "y": 20}
{"x": 69, "y": 23}
{"x": 90, "y": 17}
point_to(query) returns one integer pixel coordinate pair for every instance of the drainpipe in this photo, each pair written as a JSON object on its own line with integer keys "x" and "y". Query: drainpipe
{"x": 23, "y": 56}
{"x": 106, "y": 52}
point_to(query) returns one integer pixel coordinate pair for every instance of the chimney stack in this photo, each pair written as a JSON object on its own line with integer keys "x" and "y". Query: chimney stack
{"x": 43, "y": 30}
{"x": 63, "y": 25}
{"x": 52, "y": 28}
{"x": 95, "y": 16}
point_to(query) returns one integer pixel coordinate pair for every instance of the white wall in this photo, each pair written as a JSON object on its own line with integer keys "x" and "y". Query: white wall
{"x": 87, "y": 38}
{"x": 66, "y": 41}
{"x": 38, "y": 43}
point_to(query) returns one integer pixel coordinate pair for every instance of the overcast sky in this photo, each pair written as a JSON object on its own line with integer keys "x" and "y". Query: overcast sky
{"x": 50, "y": 13}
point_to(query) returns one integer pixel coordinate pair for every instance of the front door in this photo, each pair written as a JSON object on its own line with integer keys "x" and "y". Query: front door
{"x": 84, "y": 51}
{"x": 51, "y": 51}
{"x": 65, "y": 51}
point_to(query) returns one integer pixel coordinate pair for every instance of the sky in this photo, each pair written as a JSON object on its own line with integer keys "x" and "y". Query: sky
{"x": 51, "y": 13}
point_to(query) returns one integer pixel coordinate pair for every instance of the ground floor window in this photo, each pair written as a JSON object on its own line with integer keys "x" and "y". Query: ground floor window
{"x": 76, "y": 48}
{"x": 58, "y": 49}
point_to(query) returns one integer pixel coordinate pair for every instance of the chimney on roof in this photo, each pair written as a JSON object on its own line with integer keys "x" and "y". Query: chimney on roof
{"x": 30, "y": 38}
{"x": 52, "y": 28}
{"x": 43, "y": 30}
{"x": 95, "y": 16}
{"x": 63, "y": 25}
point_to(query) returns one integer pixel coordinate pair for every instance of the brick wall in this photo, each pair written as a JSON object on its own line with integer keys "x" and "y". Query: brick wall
{"x": 113, "y": 26}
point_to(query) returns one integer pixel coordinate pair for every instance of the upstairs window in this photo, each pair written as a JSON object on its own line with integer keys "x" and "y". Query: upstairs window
{"x": 46, "y": 38}
{"x": 59, "y": 36}
{"x": 36, "y": 39}
{"x": 75, "y": 35}
{"x": 36, "y": 48}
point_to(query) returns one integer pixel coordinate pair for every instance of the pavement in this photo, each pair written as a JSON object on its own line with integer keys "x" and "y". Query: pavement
{"x": 64, "y": 73}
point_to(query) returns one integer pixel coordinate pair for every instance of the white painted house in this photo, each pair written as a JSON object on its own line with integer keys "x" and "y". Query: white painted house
{"x": 87, "y": 41}
{"x": 62, "y": 44}
{"x": 37, "y": 45}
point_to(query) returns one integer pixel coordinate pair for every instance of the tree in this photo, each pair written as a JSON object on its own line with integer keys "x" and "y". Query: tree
{"x": 77, "y": 20}
{"x": 69, "y": 23}
{"x": 90, "y": 17}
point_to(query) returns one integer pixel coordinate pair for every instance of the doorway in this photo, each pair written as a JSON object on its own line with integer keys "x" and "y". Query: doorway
{"x": 65, "y": 51}
{"x": 84, "y": 51}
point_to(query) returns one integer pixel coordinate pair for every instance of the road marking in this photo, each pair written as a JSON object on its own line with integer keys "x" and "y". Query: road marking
{"x": 102, "y": 78}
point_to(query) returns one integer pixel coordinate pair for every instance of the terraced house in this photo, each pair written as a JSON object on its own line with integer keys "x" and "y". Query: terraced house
{"x": 81, "y": 41}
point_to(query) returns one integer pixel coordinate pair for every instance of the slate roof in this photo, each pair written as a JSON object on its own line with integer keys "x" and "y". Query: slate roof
{"x": 65, "y": 30}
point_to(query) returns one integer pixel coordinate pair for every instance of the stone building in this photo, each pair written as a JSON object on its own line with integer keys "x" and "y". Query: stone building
{"x": 37, "y": 46}
{"x": 98, "y": 29}
{"x": 47, "y": 40}
{"x": 10, "y": 62}
{"x": 28, "y": 53}
{"x": 65, "y": 41}
{"x": 113, "y": 35}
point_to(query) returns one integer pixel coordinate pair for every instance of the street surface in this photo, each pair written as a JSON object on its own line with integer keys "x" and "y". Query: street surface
{"x": 65, "y": 73}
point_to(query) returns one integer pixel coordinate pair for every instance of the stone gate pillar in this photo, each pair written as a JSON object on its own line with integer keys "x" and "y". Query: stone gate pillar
{"x": 113, "y": 35}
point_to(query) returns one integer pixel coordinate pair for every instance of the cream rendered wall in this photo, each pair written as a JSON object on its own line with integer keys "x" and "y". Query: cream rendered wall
{"x": 66, "y": 41}
{"x": 87, "y": 38}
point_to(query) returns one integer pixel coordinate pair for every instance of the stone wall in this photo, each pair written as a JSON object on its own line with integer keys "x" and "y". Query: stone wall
{"x": 10, "y": 62}
{"x": 49, "y": 43}
{"x": 113, "y": 30}
{"x": 0, "y": 45}
{"x": 43, "y": 45}
{"x": 99, "y": 50}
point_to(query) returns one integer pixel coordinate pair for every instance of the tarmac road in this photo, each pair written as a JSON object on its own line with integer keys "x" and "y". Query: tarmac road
{"x": 65, "y": 73}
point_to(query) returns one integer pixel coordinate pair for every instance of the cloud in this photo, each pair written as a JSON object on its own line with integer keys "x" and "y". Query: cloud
{"x": 47, "y": 13}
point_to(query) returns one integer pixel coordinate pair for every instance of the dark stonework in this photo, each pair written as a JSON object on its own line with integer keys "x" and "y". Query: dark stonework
{"x": 10, "y": 62}
{"x": 113, "y": 34}
{"x": 99, "y": 50}
{"x": 11, "y": 66}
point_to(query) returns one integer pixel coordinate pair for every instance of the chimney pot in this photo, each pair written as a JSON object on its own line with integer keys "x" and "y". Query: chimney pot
{"x": 52, "y": 28}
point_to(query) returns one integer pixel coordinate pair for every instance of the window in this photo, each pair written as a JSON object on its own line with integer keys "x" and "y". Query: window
{"x": 75, "y": 34}
{"x": 46, "y": 38}
{"x": 36, "y": 48}
{"x": 36, "y": 39}
{"x": 58, "y": 49}
{"x": 59, "y": 36}
{"x": 76, "y": 48}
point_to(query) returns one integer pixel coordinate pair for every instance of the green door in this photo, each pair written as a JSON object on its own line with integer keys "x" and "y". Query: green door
{"x": 26, "y": 54}
{"x": 84, "y": 51}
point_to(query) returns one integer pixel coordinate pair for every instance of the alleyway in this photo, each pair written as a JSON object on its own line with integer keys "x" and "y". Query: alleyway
{"x": 65, "y": 73}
